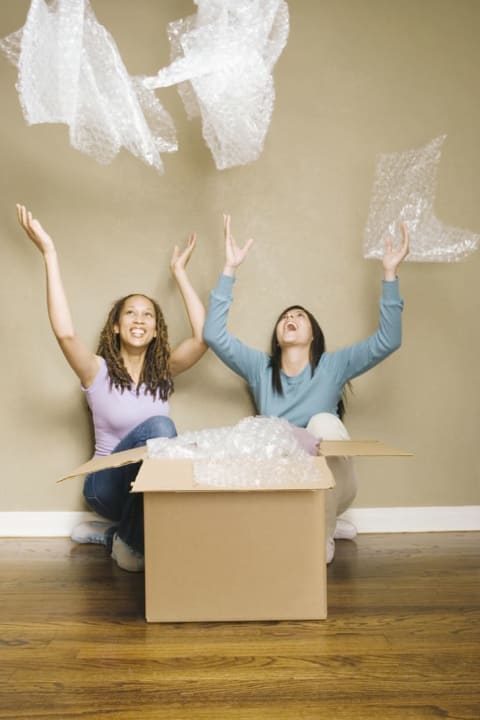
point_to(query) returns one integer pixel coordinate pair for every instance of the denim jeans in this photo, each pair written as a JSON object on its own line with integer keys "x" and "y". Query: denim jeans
{"x": 107, "y": 492}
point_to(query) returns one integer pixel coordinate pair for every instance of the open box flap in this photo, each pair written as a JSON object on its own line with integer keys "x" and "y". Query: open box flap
{"x": 327, "y": 448}
{"x": 177, "y": 475}
{"x": 102, "y": 462}
{"x": 357, "y": 448}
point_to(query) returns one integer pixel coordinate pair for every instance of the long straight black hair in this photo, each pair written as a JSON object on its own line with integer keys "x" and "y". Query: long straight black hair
{"x": 317, "y": 348}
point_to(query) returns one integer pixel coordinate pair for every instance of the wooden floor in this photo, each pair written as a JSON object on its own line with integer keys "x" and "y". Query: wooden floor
{"x": 402, "y": 641}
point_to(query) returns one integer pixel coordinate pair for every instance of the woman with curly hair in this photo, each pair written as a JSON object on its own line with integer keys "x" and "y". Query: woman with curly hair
{"x": 127, "y": 384}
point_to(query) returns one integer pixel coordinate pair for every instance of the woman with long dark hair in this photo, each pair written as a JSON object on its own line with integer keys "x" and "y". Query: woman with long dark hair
{"x": 127, "y": 384}
{"x": 299, "y": 380}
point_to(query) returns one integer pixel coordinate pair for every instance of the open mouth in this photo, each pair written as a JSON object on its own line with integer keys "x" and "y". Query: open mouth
{"x": 290, "y": 325}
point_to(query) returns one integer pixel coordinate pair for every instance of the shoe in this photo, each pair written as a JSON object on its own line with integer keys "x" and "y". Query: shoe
{"x": 344, "y": 530}
{"x": 126, "y": 557}
{"x": 330, "y": 550}
{"x": 97, "y": 532}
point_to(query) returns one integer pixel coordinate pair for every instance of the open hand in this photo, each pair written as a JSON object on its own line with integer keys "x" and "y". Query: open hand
{"x": 393, "y": 257}
{"x": 179, "y": 258}
{"x": 234, "y": 255}
{"x": 34, "y": 230}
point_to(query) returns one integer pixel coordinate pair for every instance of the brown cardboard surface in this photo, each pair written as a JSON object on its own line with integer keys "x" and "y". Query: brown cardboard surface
{"x": 215, "y": 554}
{"x": 177, "y": 475}
{"x": 235, "y": 556}
{"x": 327, "y": 448}
{"x": 357, "y": 448}
{"x": 102, "y": 462}
{"x": 220, "y": 554}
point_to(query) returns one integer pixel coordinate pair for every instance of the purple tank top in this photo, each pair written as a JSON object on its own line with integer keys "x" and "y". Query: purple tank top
{"x": 115, "y": 413}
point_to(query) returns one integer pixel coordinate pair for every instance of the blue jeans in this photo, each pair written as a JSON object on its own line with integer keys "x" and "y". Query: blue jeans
{"x": 107, "y": 492}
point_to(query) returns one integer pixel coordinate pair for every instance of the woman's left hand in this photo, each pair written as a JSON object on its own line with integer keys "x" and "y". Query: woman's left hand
{"x": 393, "y": 257}
{"x": 179, "y": 259}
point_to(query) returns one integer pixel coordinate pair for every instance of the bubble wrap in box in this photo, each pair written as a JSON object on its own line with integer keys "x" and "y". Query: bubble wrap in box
{"x": 258, "y": 452}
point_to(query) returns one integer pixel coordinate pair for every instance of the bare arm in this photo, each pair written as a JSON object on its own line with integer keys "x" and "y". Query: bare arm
{"x": 83, "y": 362}
{"x": 190, "y": 350}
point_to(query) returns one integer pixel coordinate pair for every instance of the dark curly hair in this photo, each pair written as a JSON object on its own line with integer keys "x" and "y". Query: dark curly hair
{"x": 317, "y": 348}
{"x": 155, "y": 373}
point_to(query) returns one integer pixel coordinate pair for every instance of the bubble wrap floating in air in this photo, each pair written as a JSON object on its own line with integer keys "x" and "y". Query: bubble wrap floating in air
{"x": 257, "y": 452}
{"x": 404, "y": 191}
{"x": 70, "y": 71}
{"x": 223, "y": 59}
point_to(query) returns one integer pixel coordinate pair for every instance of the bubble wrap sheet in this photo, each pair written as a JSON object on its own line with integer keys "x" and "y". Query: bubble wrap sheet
{"x": 70, "y": 71}
{"x": 222, "y": 59}
{"x": 404, "y": 191}
{"x": 258, "y": 452}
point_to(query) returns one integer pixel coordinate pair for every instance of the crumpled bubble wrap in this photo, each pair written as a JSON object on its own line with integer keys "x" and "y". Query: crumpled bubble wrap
{"x": 404, "y": 191}
{"x": 70, "y": 71}
{"x": 222, "y": 59}
{"x": 258, "y": 452}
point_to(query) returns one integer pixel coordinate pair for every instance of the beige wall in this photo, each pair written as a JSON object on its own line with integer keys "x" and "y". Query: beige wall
{"x": 358, "y": 77}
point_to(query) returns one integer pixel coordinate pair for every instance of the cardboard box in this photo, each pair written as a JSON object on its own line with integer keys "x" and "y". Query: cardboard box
{"x": 221, "y": 554}
{"x": 358, "y": 448}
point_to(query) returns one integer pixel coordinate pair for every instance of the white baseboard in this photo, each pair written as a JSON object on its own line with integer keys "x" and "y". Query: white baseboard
{"x": 415, "y": 519}
{"x": 41, "y": 524}
{"x": 367, "y": 520}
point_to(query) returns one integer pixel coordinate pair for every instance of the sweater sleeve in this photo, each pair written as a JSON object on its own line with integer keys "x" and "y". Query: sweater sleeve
{"x": 356, "y": 359}
{"x": 243, "y": 360}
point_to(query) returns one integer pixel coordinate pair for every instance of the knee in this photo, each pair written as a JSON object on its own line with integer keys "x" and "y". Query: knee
{"x": 327, "y": 426}
{"x": 94, "y": 492}
{"x": 103, "y": 494}
{"x": 159, "y": 426}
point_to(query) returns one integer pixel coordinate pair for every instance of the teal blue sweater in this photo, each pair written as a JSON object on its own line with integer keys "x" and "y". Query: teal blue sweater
{"x": 304, "y": 395}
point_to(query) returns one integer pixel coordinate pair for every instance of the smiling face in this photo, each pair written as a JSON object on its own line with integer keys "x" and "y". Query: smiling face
{"x": 294, "y": 328}
{"x": 137, "y": 322}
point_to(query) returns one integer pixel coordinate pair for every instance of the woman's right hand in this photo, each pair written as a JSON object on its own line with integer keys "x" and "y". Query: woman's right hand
{"x": 34, "y": 230}
{"x": 234, "y": 255}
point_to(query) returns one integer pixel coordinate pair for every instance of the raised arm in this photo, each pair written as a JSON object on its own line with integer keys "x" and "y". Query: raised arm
{"x": 190, "y": 350}
{"x": 362, "y": 356}
{"x": 83, "y": 362}
{"x": 240, "y": 358}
